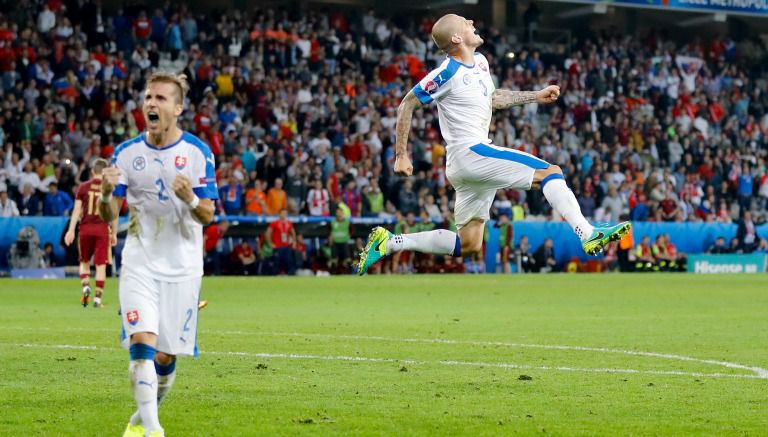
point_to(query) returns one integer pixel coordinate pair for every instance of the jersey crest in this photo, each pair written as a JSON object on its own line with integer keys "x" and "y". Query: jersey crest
{"x": 132, "y": 317}
{"x": 180, "y": 162}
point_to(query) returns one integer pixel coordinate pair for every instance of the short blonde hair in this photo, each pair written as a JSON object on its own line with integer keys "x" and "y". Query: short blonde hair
{"x": 180, "y": 80}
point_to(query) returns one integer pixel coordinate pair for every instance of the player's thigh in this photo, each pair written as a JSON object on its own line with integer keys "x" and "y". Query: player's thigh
{"x": 101, "y": 249}
{"x": 472, "y": 203}
{"x": 139, "y": 302}
{"x": 500, "y": 167}
{"x": 178, "y": 317}
{"x": 87, "y": 246}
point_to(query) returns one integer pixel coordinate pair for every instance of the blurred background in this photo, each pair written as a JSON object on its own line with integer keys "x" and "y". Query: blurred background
{"x": 662, "y": 120}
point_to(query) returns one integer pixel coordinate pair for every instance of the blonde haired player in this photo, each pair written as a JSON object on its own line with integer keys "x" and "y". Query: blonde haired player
{"x": 465, "y": 94}
{"x": 167, "y": 177}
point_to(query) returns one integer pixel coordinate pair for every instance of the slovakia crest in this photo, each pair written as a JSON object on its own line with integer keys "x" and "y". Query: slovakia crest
{"x": 431, "y": 87}
{"x": 139, "y": 163}
{"x": 132, "y": 317}
{"x": 180, "y": 162}
{"x": 483, "y": 66}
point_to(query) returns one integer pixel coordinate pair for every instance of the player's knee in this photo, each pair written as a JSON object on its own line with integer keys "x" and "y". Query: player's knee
{"x": 554, "y": 169}
{"x": 164, "y": 359}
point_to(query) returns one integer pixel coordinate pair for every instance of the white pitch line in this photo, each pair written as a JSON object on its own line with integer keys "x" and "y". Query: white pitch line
{"x": 414, "y": 362}
{"x": 760, "y": 372}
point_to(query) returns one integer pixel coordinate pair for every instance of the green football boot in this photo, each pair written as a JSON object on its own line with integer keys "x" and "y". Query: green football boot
{"x": 601, "y": 236}
{"x": 375, "y": 249}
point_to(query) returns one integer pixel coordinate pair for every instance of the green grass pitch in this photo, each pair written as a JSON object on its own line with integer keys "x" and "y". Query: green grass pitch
{"x": 408, "y": 355}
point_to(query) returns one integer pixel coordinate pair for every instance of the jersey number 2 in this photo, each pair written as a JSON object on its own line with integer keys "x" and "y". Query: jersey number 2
{"x": 161, "y": 189}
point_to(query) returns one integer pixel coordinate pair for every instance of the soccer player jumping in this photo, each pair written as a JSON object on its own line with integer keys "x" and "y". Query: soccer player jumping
{"x": 168, "y": 178}
{"x": 96, "y": 236}
{"x": 465, "y": 94}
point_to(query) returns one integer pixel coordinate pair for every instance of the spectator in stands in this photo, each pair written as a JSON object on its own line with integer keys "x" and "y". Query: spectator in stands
{"x": 525, "y": 260}
{"x": 28, "y": 203}
{"x": 375, "y": 199}
{"x": 644, "y": 260}
{"x": 211, "y": 239}
{"x": 49, "y": 257}
{"x": 351, "y": 197}
{"x": 628, "y": 125}
{"x": 282, "y": 237}
{"x": 735, "y": 246}
{"x": 409, "y": 201}
{"x": 57, "y": 203}
{"x": 718, "y": 247}
{"x": 612, "y": 206}
{"x": 300, "y": 255}
{"x": 255, "y": 199}
{"x": 231, "y": 195}
{"x": 339, "y": 240}
{"x": 747, "y": 233}
{"x": 318, "y": 200}
{"x": 245, "y": 258}
{"x": 745, "y": 188}
{"x": 8, "y": 207}
{"x": 277, "y": 200}
{"x": 506, "y": 242}
{"x": 545, "y": 257}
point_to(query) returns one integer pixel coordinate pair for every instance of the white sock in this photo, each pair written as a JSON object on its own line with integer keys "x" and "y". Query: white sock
{"x": 439, "y": 242}
{"x": 564, "y": 202}
{"x": 164, "y": 384}
{"x": 144, "y": 383}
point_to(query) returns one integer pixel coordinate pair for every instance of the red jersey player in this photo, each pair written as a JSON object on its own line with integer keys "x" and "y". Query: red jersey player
{"x": 96, "y": 236}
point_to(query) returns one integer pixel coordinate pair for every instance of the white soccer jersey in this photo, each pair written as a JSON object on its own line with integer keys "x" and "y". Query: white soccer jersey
{"x": 463, "y": 96}
{"x": 164, "y": 240}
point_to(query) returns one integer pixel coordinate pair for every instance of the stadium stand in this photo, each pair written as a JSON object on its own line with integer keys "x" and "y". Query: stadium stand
{"x": 300, "y": 114}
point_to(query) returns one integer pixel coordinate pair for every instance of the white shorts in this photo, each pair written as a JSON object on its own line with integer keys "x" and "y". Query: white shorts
{"x": 167, "y": 309}
{"x": 477, "y": 172}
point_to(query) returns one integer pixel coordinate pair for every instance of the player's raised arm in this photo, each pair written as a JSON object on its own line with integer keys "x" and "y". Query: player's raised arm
{"x": 403, "y": 164}
{"x": 502, "y": 99}
{"x": 109, "y": 206}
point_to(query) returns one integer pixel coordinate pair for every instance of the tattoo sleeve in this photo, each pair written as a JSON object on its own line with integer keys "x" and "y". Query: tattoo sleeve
{"x": 502, "y": 99}
{"x": 403, "y": 127}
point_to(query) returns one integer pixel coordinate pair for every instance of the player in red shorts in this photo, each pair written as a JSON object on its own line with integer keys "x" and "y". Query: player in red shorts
{"x": 96, "y": 236}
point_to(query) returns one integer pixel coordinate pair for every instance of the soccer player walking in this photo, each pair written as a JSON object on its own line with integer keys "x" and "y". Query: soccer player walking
{"x": 465, "y": 94}
{"x": 167, "y": 177}
{"x": 96, "y": 236}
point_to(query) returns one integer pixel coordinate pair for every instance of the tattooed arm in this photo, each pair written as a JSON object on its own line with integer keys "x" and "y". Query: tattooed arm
{"x": 502, "y": 99}
{"x": 403, "y": 164}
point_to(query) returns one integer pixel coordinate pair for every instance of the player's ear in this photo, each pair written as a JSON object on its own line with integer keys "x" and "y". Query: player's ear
{"x": 178, "y": 109}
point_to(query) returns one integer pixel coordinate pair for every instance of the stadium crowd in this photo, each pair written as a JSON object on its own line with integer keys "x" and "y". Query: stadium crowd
{"x": 300, "y": 113}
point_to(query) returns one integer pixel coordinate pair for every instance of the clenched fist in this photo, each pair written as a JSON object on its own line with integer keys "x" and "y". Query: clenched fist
{"x": 109, "y": 177}
{"x": 403, "y": 166}
{"x": 182, "y": 186}
{"x": 548, "y": 94}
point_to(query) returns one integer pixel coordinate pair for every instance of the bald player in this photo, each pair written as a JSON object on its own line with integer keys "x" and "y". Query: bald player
{"x": 463, "y": 89}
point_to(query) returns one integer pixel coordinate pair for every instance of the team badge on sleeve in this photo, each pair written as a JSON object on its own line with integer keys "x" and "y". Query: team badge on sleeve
{"x": 132, "y": 317}
{"x": 431, "y": 86}
{"x": 180, "y": 162}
